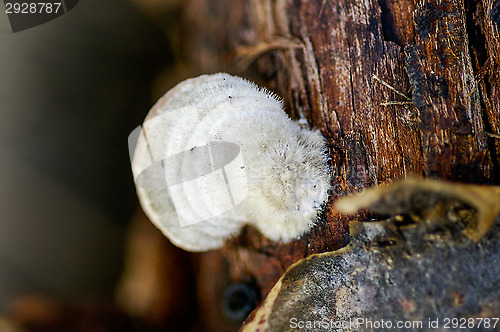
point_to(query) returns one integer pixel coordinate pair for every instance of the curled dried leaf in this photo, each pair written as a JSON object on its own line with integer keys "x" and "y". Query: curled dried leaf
{"x": 411, "y": 195}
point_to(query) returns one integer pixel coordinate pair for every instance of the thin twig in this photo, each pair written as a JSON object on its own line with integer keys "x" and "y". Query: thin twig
{"x": 390, "y": 87}
{"x": 492, "y": 135}
{"x": 388, "y": 103}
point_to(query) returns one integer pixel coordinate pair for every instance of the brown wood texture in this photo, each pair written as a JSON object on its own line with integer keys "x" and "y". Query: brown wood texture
{"x": 397, "y": 87}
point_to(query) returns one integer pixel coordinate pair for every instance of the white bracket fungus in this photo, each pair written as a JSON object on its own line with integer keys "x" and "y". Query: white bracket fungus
{"x": 217, "y": 152}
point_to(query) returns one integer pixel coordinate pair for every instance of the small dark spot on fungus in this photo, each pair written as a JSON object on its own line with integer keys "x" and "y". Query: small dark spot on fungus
{"x": 495, "y": 14}
{"x": 239, "y": 300}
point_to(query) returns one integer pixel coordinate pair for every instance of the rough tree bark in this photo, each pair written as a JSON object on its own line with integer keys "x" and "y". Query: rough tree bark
{"x": 397, "y": 87}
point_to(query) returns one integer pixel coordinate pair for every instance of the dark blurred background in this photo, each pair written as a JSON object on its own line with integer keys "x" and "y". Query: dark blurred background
{"x": 71, "y": 90}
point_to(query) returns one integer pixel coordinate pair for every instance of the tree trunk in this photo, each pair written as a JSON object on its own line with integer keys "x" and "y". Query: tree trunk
{"x": 397, "y": 87}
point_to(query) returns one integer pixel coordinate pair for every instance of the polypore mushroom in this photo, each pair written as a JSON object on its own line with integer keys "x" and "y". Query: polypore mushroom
{"x": 216, "y": 153}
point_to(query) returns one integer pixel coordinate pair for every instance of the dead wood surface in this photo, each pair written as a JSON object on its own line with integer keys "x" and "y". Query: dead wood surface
{"x": 397, "y": 87}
